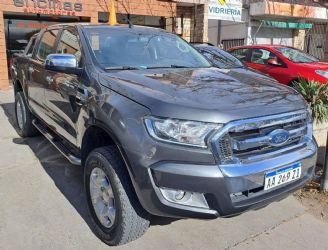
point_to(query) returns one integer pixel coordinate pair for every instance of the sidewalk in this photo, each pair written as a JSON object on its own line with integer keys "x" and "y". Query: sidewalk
{"x": 43, "y": 207}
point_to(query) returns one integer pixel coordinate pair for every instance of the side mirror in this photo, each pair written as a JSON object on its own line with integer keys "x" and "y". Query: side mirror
{"x": 65, "y": 63}
{"x": 274, "y": 62}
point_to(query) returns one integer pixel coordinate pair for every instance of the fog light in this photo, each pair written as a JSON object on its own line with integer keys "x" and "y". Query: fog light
{"x": 184, "y": 197}
{"x": 179, "y": 195}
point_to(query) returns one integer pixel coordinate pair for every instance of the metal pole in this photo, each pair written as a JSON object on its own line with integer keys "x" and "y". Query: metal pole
{"x": 324, "y": 182}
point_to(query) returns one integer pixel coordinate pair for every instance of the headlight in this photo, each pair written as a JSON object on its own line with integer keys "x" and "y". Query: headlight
{"x": 322, "y": 73}
{"x": 181, "y": 132}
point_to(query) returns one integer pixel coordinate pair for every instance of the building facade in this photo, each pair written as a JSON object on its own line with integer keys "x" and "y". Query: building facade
{"x": 298, "y": 23}
{"x": 20, "y": 19}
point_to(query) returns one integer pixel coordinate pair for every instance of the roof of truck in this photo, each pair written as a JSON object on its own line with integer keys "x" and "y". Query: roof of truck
{"x": 114, "y": 27}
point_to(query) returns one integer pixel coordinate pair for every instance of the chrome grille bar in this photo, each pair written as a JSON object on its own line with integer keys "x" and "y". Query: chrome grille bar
{"x": 251, "y": 139}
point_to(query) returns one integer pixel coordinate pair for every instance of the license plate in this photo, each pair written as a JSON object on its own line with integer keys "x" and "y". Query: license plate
{"x": 282, "y": 176}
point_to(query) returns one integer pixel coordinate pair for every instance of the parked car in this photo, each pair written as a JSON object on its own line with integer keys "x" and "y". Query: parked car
{"x": 224, "y": 60}
{"x": 285, "y": 64}
{"x": 156, "y": 129}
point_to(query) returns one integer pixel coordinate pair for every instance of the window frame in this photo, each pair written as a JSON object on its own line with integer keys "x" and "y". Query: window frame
{"x": 33, "y": 41}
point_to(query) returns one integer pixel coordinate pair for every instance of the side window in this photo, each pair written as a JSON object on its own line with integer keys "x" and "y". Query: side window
{"x": 241, "y": 54}
{"x": 47, "y": 44}
{"x": 69, "y": 44}
{"x": 30, "y": 47}
{"x": 261, "y": 56}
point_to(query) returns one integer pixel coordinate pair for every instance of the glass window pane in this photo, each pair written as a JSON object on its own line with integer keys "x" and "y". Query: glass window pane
{"x": 241, "y": 54}
{"x": 69, "y": 44}
{"x": 47, "y": 44}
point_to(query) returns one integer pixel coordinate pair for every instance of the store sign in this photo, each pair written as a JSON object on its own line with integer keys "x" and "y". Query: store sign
{"x": 229, "y": 10}
{"x": 286, "y": 25}
{"x": 55, "y": 7}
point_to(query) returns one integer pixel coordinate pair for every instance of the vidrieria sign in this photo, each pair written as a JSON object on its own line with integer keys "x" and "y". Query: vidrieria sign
{"x": 229, "y": 10}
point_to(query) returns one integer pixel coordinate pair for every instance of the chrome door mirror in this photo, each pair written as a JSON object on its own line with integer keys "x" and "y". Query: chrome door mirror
{"x": 65, "y": 63}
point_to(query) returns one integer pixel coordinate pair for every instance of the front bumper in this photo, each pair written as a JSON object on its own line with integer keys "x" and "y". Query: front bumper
{"x": 229, "y": 190}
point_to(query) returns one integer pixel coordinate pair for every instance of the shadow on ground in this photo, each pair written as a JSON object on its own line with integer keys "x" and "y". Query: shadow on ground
{"x": 68, "y": 178}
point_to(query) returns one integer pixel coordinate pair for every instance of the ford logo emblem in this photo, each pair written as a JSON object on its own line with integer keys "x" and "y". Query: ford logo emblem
{"x": 279, "y": 137}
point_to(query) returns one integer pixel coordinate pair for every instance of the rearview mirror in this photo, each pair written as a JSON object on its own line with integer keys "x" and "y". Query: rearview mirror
{"x": 65, "y": 63}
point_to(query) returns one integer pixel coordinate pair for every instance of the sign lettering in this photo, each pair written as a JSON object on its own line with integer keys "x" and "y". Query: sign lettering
{"x": 230, "y": 10}
{"x": 55, "y": 6}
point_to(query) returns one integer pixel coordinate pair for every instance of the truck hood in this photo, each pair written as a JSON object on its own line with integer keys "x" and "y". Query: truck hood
{"x": 207, "y": 94}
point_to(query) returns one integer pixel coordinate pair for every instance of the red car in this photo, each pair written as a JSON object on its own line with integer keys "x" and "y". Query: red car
{"x": 285, "y": 64}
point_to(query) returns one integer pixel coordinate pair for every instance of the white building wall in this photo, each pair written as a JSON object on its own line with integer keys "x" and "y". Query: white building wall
{"x": 228, "y": 29}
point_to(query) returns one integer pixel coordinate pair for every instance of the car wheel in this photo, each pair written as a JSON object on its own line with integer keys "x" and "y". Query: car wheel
{"x": 24, "y": 117}
{"x": 116, "y": 214}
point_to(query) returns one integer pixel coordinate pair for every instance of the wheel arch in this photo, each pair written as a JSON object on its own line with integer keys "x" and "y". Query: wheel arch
{"x": 97, "y": 135}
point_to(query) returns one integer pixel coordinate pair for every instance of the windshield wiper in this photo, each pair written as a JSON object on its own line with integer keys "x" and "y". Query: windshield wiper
{"x": 122, "y": 68}
{"x": 168, "y": 67}
{"x": 179, "y": 66}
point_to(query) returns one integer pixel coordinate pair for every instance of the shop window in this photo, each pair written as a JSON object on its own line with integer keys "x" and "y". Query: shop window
{"x": 47, "y": 44}
{"x": 69, "y": 44}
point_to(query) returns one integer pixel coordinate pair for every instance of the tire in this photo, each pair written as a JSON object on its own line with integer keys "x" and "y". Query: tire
{"x": 24, "y": 117}
{"x": 130, "y": 221}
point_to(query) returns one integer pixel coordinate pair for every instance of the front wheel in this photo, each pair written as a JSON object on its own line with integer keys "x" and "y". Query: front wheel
{"x": 116, "y": 214}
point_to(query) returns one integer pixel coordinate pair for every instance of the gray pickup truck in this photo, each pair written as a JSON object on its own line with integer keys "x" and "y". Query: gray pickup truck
{"x": 156, "y": 129}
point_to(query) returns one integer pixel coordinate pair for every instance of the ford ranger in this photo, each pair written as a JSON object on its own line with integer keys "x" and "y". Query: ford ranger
{"x": 156, "y": 129}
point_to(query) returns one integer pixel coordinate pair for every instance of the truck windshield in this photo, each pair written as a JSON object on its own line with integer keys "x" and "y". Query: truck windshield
{"x": 141, "y": 49}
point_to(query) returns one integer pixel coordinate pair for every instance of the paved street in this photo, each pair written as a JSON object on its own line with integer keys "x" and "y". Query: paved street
{"x": 43, "y": 207}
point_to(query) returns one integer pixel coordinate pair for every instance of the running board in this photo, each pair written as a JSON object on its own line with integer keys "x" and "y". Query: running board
{"x": 57, "y": 143}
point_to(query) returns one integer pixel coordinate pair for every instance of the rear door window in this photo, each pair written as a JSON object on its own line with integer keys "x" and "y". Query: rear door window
{"x": 47, "y": 44}
{"x": 241, "y": 54}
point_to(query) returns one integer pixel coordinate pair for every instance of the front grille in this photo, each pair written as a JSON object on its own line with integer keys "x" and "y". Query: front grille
{"x": 253, "y": 138}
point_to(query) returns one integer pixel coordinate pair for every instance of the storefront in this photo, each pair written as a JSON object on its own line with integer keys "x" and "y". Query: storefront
{"x": 20, "y": 19}
{"x": 301, "y": 24}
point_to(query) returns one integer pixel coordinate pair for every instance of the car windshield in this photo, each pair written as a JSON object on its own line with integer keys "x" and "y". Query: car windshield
{"x": 296, "y": 56}
{"x": 221, "y": 58}
{"x": 137, "y": 48}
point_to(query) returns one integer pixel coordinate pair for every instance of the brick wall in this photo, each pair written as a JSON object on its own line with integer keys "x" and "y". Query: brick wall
{"x": 90, "y": 9}
{"x": 195, "y": 23}
{"x": 4, "y": 83}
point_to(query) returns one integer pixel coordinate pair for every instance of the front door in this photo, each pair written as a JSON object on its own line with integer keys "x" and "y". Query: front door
{"x": 259, "y": 61}
{"x": 64, "y": 90}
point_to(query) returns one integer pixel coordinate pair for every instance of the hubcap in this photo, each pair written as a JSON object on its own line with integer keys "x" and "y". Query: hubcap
{"x": 20, "y": 115}
{"x": 102, "y": 197}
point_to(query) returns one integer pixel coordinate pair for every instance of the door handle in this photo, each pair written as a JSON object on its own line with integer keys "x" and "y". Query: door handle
{"x": 31, "y": 69}
{"x": 49, "y": 79}
{"x": 81, "y": 97}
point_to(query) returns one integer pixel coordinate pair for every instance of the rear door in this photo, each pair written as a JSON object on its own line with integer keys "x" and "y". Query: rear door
{"x": 66, "y": 92}
{"x": 36, "y": 72}
{"x": 259, "y": 60}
